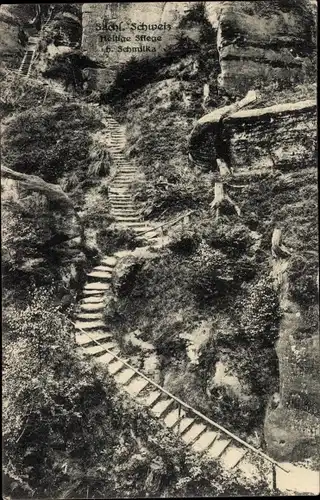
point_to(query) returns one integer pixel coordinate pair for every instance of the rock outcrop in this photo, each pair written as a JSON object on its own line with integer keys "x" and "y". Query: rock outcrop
{"x": 11, "y": 49}
{"x": 281, "y": 136}
{"x": 292, "y": 422}
{"x": 263, "y": 42}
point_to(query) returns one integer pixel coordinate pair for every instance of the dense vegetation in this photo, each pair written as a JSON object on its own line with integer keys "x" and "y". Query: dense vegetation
{"x": 68, "y": 432}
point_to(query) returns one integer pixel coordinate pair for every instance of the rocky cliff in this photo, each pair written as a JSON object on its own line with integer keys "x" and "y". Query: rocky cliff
{"x": 262, "y": 42}
{"x": 258, "y": 42}
{"x": 279, "y": 136}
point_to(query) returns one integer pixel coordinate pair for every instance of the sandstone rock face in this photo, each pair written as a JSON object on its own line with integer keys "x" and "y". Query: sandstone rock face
{"x": 292, "y": 428}
{"x": 281, "y": 135}
{"x": 46, "y": 241}
{"x": 10, "y": 48}
{"x": 263, "y": 42}
{"x": 102, "y": 42}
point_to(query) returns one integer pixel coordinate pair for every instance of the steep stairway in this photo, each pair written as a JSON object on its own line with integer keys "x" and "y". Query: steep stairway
{"x": 124, "y": 208}
{"x": 28, "y": 57}
{"x": 95, "y": 340}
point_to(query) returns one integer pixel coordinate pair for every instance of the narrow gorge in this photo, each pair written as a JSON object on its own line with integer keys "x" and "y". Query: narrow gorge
{"x": 160, "y": 214}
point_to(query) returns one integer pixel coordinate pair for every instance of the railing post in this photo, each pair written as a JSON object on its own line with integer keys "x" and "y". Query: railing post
{"x": 179, "y": 418}
{"x": 274, "y": 478}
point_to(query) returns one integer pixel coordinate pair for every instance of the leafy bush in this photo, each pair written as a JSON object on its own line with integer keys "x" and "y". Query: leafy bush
{"x": 20, "y": 94}
{"x": 112, "y": 239}
{"x": 68, "y": 432}
{"x": 50, "y": 142}
{"x": 184, "y": 242}
{"x": 302, "y": 275}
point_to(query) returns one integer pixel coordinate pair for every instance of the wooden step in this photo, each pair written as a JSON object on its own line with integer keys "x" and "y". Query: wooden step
{"x": 83, "y": 339}
{"x": 106, "y": 357}
{"x": 89, "y": 325}
{"x": 161, "y": 407}
{"x": 97, "y": 286}
{"x": 106, "y": 269}
{"x": 123, "y": 218}
{"x": 218, "y": 447}
{"x": 183, "y": 425}
{"x": 152, "y": 398}
{"x": 193, "y": 433}
{"x": 93, "y": 300}
{"x": 173, "y": 417}
{"x": 115, "y": 366}
{"x": 136, "y": 386}
{"x": 205, "y": 441}
{"x": 90, "y": 315}
{"x": 97, "y": 349}
{"x": 108, "y": 261}
{"x": 232, "y": 456}
{"x": 100, "y": 274}
{"x": 124, "y": 376}
{"x": 94, "y": 293}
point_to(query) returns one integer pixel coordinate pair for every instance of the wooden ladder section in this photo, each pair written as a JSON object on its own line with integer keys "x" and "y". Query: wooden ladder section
{"x": 28, "y": 57}
{"x": 96, "y": 341}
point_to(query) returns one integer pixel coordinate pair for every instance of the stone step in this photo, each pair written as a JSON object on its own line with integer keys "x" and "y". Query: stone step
{"x": 183, "y": 425}
{"x": 205, "y": 441}
{"x": 90, "y": 315}
{"x": 193, "y": 433}
{"x": 89, "y": 325}
{"x": 93, "y": 300}
{"x": 100, "y": 274}
{"x": 124, "y": 376}
{"x": 83, "y": 339}
{"x": 232, "y": 456}
{"x": 136, "y": 386}
{"x": 97, "y": 286}
{"x": 97, "y": 349}
{"x": 173, "y": 417}
{"x": 218, "y": 447}
{"x": 161, "y": 407}
{"x": 109, "y": 261}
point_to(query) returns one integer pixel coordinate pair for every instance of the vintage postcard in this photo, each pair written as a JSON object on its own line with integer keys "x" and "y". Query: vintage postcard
{"x": 159, "y": 249}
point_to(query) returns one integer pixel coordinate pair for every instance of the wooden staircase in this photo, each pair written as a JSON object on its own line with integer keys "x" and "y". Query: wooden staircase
{"x": 28, "y": 57}
{"x": 96, "y": 341}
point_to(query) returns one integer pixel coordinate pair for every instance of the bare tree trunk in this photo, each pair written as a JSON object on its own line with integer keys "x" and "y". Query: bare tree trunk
{"x": 219, "y": 197}
{"x": 223, "y": 168}
{"x": 278, "y": 251}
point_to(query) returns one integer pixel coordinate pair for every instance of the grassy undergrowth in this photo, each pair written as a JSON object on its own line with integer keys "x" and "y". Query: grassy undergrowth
{"x": 69, "y": 433}
{"x": 211, "y": 272}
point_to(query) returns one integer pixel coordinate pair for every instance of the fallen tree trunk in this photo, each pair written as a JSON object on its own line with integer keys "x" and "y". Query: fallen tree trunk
{"x": 34, "y": 183}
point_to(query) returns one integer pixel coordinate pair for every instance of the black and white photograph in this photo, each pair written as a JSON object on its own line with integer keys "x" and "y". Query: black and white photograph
{"x": 160, "y": 250}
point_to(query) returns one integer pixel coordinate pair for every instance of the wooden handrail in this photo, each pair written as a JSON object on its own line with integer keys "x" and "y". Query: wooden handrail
{"x": 185, "y": 405}
{"x": 167, "y": 224}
